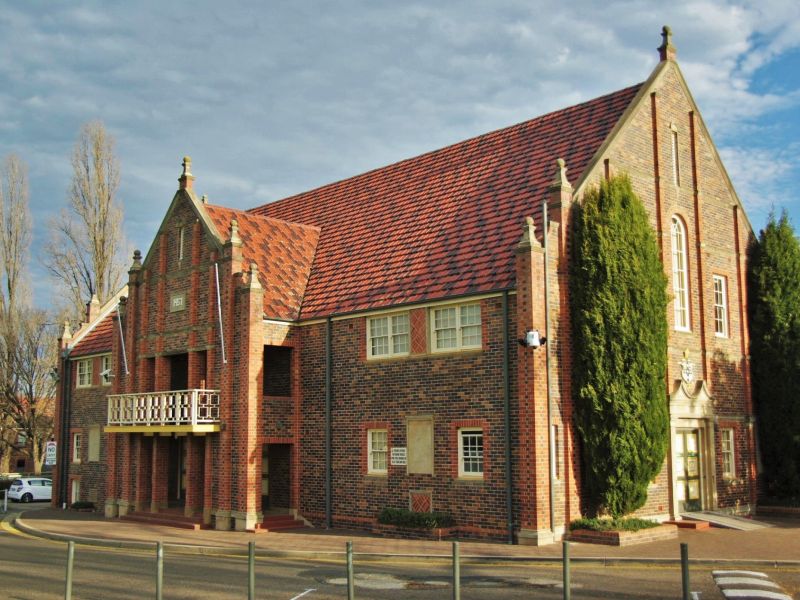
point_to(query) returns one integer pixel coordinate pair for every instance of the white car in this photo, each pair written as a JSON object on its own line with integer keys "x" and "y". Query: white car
{"x": 27, "y": 489}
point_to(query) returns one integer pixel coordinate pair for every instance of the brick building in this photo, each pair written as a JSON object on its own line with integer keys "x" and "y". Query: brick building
{"x": 356, "y": 346}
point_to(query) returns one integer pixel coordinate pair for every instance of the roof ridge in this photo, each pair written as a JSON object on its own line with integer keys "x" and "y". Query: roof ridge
{"x": 265, "y": 217}
{"x": 442, "y": 149}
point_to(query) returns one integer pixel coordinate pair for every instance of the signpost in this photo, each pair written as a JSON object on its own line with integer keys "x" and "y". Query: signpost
{"x": 50, "y": 454}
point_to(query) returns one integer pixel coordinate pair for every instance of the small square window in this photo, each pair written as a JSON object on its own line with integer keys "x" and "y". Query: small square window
{"x": 470, "y": 453}
{"x": 456, "y": 327}
{"x": 388, "y": 336}
{"x": 378, "y": 448}
{"x": 77, "y": 442}
{"x": 106, "y": 369}
{"x": 84, "y": 372}
{"x": 727, "y": 451}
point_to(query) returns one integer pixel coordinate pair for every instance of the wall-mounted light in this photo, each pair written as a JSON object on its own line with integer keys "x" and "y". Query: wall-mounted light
{"x": 532, "y": 339}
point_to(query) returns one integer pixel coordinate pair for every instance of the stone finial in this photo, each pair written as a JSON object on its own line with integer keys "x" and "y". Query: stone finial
{"x": 255, "y": 284}
{"x": 666, "y": 51}
{"x": 92, "y": 308}
{"x": 186, "y": 179}
{"x": 234, "y": 232}
{"x": 66, "y": 333}
{"x": 137, "y": 260}
{"x": 204, "y": 199}
{"x": 528, "y": 234}
{"x": 560, "y": 181}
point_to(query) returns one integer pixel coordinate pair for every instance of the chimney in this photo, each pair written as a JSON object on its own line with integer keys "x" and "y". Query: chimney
{"x": 666, "y": 51}
{"x": 92, "y": 308}
{"x": 186, "y": 179}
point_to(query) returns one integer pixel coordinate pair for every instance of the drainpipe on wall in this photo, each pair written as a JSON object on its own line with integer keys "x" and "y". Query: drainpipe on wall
{"x": 507, "y": 422}
{"x": 328, "y": 421}
{"x": 550, "y": 411}
{"x": 63, "y": 452}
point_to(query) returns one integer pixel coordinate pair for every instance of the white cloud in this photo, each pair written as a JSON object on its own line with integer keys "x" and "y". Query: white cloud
{"x": 275, "y": 98}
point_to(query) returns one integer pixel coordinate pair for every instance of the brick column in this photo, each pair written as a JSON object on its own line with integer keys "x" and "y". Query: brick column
{"x": 126, "y": 480}
{"x": 144, "y": 472}
{"x": 111, "y": 475}
{"x": 195, "y": 480}
{"x": 160, "y": 474}
{"x": 248, "y": 358}
{"x": 208, "y": 478}
{"x": 532, "y": 485}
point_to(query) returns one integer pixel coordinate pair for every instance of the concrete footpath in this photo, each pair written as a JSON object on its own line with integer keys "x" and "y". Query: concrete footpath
{"x": 778, "y": 545}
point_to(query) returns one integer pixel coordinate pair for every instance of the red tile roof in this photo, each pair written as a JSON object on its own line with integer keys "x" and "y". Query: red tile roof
{"x": 284, "y": 253}
{"x": 444, "y": 223}
{"x": 97, "y": 341}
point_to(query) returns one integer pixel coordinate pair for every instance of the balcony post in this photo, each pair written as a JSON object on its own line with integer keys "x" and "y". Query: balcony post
{"x": 195, "y": 395}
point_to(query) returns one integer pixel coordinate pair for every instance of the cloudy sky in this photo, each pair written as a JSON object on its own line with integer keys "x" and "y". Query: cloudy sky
{"x": 275, "y": 98}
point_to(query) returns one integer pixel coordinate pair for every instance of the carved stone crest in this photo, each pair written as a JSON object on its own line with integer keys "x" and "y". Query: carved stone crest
{"x": 687, "y": 368}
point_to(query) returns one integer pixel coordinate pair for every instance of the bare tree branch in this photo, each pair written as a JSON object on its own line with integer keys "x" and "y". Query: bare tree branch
{"x": 85, "y": 251}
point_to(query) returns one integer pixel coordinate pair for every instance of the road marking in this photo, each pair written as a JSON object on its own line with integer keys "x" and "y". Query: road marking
{"x": 308, "y": 591}
{"x": 748, "y": 585}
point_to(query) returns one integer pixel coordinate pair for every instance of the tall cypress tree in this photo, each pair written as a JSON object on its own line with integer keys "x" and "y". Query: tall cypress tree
{"x": 774, "y": 297}
{"x": 619, "y": 304}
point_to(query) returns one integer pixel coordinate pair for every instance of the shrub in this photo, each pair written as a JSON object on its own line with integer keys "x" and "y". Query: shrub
{"x": 82, "y": 504}
{"x": 402, "y": 517}
{"x": 614, "y": 524}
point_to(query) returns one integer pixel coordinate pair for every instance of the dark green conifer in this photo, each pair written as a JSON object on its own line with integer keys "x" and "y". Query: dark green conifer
{"x": 619, "y": 304}
{"x": 774, "y": 299}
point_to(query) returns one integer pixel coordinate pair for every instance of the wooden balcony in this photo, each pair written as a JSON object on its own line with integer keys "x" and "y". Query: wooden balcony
{"x": 174, "y": 411}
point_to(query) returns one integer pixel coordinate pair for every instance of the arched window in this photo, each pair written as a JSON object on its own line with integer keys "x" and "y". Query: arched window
{"x": 680, "y": 277}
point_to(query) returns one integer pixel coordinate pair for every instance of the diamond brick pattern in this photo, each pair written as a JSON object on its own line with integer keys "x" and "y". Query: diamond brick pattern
{"x": 444, "y": 223}
{"x": 421, "y": 502}
{"x": 283, "y": 252}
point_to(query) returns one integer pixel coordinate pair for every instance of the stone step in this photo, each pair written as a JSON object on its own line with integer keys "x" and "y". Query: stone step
{"x": 279, "y": 523}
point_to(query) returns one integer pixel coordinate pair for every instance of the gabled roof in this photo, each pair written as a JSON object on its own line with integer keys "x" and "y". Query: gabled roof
{"x": 284, "y": 253}
{"x": 96, "y": 336}
{"x": 98, "y": 340}
{"x": 444, "y": 223}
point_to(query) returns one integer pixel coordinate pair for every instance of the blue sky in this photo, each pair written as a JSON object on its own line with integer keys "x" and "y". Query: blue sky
{"x": 275, "y": 98}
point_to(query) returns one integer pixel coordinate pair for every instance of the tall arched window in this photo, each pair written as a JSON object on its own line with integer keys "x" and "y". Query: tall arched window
{"x": 680, "y": 277}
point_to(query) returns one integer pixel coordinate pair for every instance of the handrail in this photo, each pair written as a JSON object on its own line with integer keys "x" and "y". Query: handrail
{"x": 170, "y": 407}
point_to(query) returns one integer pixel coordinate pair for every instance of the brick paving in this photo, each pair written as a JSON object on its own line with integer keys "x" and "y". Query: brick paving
{"x": 779, "y": 543}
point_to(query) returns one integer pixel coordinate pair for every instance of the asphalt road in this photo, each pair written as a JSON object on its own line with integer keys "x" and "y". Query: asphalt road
{"x": 31, "y": 568}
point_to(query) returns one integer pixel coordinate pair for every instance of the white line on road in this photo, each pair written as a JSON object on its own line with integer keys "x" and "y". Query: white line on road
{"x": 308, "y": 591}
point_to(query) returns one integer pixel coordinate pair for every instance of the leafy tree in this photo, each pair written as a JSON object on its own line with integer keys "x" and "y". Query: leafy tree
{"x": 619, "y": 304}
{"x": 774, "y": 298}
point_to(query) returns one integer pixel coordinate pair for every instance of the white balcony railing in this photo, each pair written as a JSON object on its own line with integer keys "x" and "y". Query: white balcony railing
{"x": 175, "y": 407}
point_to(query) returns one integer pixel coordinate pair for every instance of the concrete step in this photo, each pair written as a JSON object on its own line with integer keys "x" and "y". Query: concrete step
{"x": 690, "y": 524}
{"x": 168, "y": 519}
{"x": 279, "y": 523}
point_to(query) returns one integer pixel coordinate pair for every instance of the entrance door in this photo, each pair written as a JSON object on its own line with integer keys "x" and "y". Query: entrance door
{"x": 687, "y": 468}
{"x": 179, "y": 371}
{"x": 176, "y": 472}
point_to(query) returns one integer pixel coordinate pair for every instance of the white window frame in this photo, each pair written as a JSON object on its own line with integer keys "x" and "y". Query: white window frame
{"x": 459, "y": 327}
{"x": 728, "y": 452}
{"x": 394, "y": 332}
{"x": 463, "y": 433}
{"x": 106, "y": 366}
{"x": 75, "y": 491}
{"x": 720, "y": 306}
{"x": 77, "y": 444}
{"x": 84, "y": 373}
{"x": 680, "y": 275}
{"x": 372, "y": 452}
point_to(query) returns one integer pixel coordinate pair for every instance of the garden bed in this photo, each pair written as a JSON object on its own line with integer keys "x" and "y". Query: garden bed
{"x": 624, "y": 538}
{"x": 409, "y": 533}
